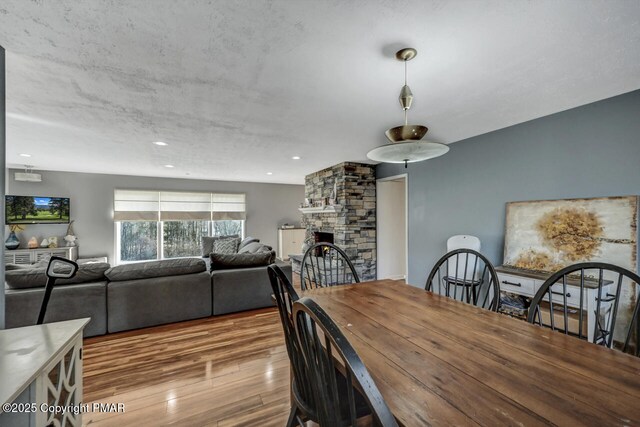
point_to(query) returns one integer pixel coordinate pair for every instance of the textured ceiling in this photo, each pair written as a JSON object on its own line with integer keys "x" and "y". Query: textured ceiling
{"x": 236, "y": 88}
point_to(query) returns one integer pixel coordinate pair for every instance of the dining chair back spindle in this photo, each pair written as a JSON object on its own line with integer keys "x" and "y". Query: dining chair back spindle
{"x": 325, "y": 264}
{"x": 615, "y": 309}
{"x": 468, "y": 276}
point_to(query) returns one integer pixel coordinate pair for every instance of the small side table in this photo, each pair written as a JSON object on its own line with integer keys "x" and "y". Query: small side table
{"x": 41, "y": 368}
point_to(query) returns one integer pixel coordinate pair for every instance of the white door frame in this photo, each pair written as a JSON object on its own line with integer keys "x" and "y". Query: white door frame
{"x": 404, "y": 176}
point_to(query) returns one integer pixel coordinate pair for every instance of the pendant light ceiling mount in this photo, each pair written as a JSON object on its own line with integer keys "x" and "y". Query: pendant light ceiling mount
{"x": 406, "y": 54}
{"x": 406, "y": 144}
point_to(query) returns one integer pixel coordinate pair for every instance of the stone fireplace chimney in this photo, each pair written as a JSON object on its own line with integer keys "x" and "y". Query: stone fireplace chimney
{"x": 353, "y": 221}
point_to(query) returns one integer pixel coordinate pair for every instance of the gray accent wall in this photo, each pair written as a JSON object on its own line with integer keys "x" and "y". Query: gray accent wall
{"x": 3, "y": 145}
{"x": 589, "y": 151}
{"x": 268, "y": 205}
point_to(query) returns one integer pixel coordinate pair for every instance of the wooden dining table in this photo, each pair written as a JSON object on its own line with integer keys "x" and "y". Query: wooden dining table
{"x": 437, "y": 361}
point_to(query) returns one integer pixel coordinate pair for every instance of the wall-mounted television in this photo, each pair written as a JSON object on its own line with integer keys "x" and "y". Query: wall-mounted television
{"x": 36, "y": 210}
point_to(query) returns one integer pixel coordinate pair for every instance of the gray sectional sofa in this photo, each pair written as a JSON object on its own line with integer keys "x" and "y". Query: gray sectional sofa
{"x": 157, "y": 292}
{"x": 242, "y": 289}
{"x": 83, "y": 296}
{"x": 132, "y": 296}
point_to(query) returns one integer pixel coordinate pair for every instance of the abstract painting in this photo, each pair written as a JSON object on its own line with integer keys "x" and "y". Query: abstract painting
{"x": 548, "y": 235}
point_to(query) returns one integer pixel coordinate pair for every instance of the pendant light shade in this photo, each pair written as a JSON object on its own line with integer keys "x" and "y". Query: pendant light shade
{"x": 407, "y": 151}
{"x": 406, "y": 144}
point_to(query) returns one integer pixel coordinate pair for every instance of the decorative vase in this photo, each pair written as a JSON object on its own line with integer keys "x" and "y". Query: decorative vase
{"x": 12, "y": 241}
{"x": 45, "y": 243}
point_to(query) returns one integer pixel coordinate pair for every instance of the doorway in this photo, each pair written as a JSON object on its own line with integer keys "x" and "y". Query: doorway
{"x": 392, "y": 227}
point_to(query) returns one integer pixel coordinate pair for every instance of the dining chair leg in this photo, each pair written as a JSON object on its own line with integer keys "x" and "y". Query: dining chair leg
{"x": 294, "y": 417}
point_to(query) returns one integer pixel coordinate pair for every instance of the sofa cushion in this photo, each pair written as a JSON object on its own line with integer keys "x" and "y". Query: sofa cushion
{"x": 226, "y": 246}
{"x": 67, "y": 302}
{"x": 207, "y": 243}
{"x": 36, "y": 277}
{"x": 230, "y": 261}
{"x": 246, "y": 241}
{"x": 149, "y": 269}
{"x": 10, "y": 267}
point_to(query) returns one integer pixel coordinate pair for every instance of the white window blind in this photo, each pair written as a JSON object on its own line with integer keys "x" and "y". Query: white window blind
{"x": 140, "y": 205}
{"x": 135, "y": 205}
{"x": 179, "y": 206}
{"x": 227, "y": 206}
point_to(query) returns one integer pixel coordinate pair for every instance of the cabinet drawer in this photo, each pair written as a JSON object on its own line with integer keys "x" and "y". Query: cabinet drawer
{"x": 42, "y": 255}
{"x": 573, "y": 295}
{"x": 516, "y": 284}
{"x": 17, "y": 258}
{"x": 63, "y": 253}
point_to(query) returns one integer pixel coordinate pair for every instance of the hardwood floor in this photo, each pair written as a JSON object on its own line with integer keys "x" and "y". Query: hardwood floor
{"x": 228, "y": 370}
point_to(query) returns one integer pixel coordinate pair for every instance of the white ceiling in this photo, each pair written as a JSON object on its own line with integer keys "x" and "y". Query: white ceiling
{"x": 236, "y": 88}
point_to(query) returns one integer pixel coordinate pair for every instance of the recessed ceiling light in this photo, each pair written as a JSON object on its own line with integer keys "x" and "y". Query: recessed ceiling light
{"x": 169, "y": 166}
{"x": 269, "y": 173}
{"x": 160, "y": 143}
{"x": 296, "y": 157}
{"x": 25, "y": 155}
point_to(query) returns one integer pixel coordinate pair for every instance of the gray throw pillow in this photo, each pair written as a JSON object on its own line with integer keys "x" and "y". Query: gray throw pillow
{"x": 246, "y": 260}
{"x": 246, "y": 241}
{"x": 207, "y": 243}
{"x": 226, "y": 246}
{"x": 255, "y": 247}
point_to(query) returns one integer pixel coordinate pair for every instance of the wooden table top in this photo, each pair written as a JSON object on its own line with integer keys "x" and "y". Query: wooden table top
{"x": 441, "y": 362}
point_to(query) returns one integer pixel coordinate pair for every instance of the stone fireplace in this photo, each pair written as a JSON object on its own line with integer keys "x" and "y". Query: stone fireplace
{"x": 353, "y": 221}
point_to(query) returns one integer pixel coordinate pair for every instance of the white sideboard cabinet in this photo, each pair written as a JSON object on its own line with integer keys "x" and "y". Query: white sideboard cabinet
{"x": 30, "y": 256}
{"x": 290, "y": 241}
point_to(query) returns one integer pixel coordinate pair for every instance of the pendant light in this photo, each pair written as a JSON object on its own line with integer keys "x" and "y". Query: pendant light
{"x": 406, "y": 143}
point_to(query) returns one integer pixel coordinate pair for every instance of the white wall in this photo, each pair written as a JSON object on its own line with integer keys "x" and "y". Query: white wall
{"x": 391, "y": 229}
{"x": 268, "y": 205}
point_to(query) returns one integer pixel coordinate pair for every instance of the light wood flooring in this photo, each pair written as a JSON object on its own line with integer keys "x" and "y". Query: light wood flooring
{"x": 228, "y": 370}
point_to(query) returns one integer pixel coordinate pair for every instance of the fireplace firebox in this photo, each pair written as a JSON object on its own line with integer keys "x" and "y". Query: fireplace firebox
{"x": 324, "y": 237}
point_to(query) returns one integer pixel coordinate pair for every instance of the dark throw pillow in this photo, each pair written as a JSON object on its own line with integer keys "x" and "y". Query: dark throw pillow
{"x": 245, "y": 260}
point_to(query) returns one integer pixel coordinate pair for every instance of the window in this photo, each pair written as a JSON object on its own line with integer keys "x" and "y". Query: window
{"x": 138, "y": 240}
{"x": 182, "y": 238}
{"x": 155, "y": 225}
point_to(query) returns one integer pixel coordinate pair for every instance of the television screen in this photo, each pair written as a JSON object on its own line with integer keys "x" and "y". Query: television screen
{"x": 36, "y": 210}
